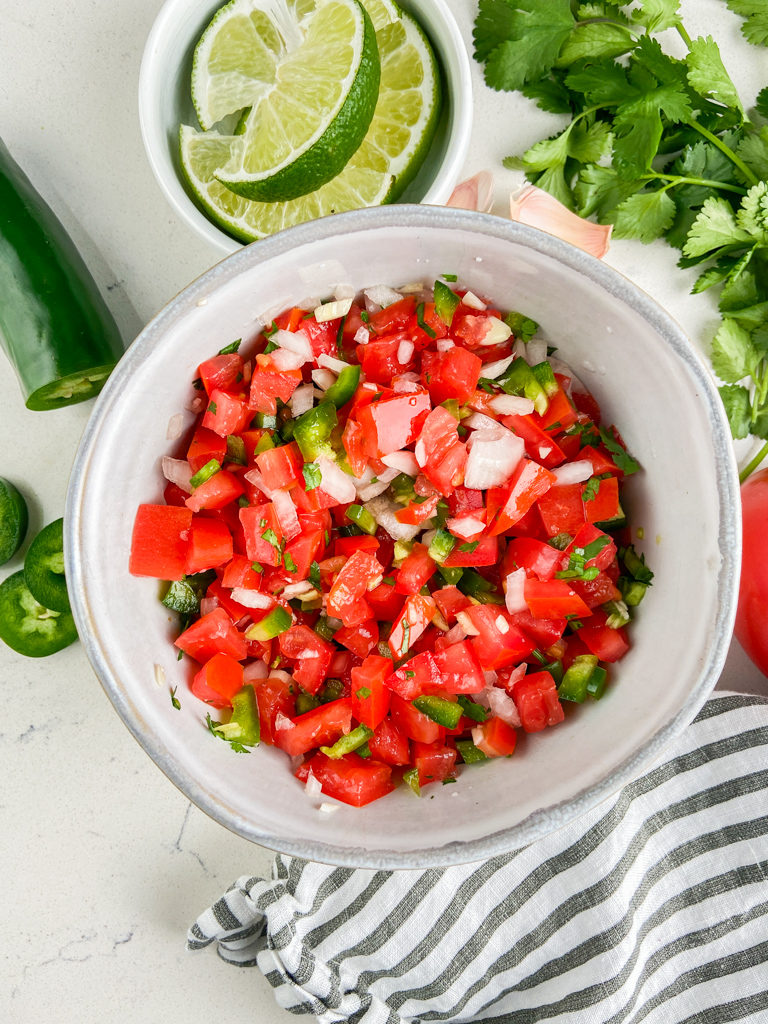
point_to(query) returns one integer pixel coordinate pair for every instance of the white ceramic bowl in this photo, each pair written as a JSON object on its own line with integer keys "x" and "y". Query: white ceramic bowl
{"x": 648, "y": 379}
{"x": 165, "y": 103}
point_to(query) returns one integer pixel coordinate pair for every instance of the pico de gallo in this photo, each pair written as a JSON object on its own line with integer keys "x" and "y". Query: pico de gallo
{"x": 395, "y": 537}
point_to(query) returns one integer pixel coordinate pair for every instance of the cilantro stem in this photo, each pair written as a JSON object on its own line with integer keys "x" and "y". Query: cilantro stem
{"x": 752, "y": 466}
{"x": 683, "y": 33}
{"x": 676, "y": 179}
{"x": 609, "y": 21}
{"x": 725, "y": 149}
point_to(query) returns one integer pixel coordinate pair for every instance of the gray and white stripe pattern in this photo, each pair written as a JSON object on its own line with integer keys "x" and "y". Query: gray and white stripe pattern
{"x": 652, "y": 907}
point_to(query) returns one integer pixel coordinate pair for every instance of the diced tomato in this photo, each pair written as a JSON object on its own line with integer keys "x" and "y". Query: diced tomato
{"x": 280, "y": 468}
{"x": 587, "y": 535}
{"x": 345, "y": 599}
{"x": 485, "y": 553}
{"x": 471, "y": 325}
{"x": 359, "y": 639}
{"x": 370, "y": 694}
{"x": 497, "y": 646}
{"x": 454, "y": 374}
{"x": 206, "y": 445}
{"x": 380, "y": 360}
{"x": 262, "y": 533}
{"x": 305, "y": 549}
{"x": 353, "y": 440}
{"x": 464, "y": 500}
{"x": 544, "y": 632}
{"x": 347, "y": 546}
{"x": 442, "y": 455}
{"x": 216, "y": 492}
{"x": 274, "y": 697}
{"x": 393, "y": 317}
{"x": 562, "y": 510}
{"x": 385, "y": 602}
{"x": 560, "y": 414}
{"x": 420, "y": 675}
{"x": 528, "y": 483}
{"x": 312, "y": 655}
{"x": 217, "y": 682}
{"x": 290, "y": 320}
{"x": 433, "y": 761}
{"x": 221, "y": 372}
{"x": 269, "y": 384}
{"x": 322, "y": 337}
{"x": 233, "y": 609}
{"x": 392, "y": 423}
{"x": 498, "y": 739}
{"x": 605, "y": 505}
{"x": 416, "y": 513}
{"x": 530, "y": 525}
{"x": 388, "y": 744}
{"x": 318, "y": 728}
{"x": 173, "y": 495}
{"x": 587, "y": 403}
{"x": 415, "y": 571}
{"x": 210, "y": 545}
{"x": 450, "y": 600}
{"x": 410, "y": 624}
{"x": 159, "y": 542}
{"x": 608, "y": 644}
{"x": 411, "y": 722}
{"x": 541, "y": 559}
{"x": 460, "y": 668}
{"x": 535, "y": 697}
{"x": 226, "y": 413}
{"x": 538, "y": 444}
{"x": 553, "y": 599}
{"x": 212, "y": 634}
{"x": 239, "y": 573}
{"x": 352, "y": 779}
{"x": 315, "y": 500}
{"x": 597, "y": 591}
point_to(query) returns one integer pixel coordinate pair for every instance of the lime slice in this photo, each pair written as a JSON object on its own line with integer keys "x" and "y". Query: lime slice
{"x": 312, "y": 83}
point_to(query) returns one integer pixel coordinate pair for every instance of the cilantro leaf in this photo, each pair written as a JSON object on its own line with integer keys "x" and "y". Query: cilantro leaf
{"x": 657, "y": 15}
{"x": 519, "y": 41}
{"x": 755, "y": 28}
{"x": 645, "y": 216}
{"x": 714, "y": 228}
{"x": 734, "y": 356}
{"x": 707, "y": 74}
{"x": 622, "y": 458}
{"x": 600, "y": 190}
{"x": 550, "y": 94}
{"x": 595, "y": 41}
{"x": 638, "y": 122}
{"x": 314, "y": 575}
{"x": 714, "y": 275}
{"x": 312, "y": 476}
{"x": 753, "y": 213}
{"x": 174, "y": 699}
{"x": 603, "y": 83}
{"x": 289, "y": 563}
{"x": 761, "y": 103}
{"x": 753, "y": 150}
{"x": 736, "y": 401}
{"x": 592, "y": 487}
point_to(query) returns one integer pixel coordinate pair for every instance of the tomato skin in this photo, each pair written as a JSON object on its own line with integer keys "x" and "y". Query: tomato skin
{"x": 499, "y": 738}
{"x": 605, "y": 505}
{"x": 218, "y": 681}
{"x": 371, "y": 675}
{"x": 258, "y": 548}
{"x": 752, "y": 613}
{"x": 210, "y": 545}
{"x": 388, "y": 744}
{"x": 312, "y": 654}
{"x": 220, "y": 372}
{"x": 411, "y": 622}
{"x": 434, "y": 761}
{"x": 280, "y": 467}
{"x": 416, "y": 677}
{"x": 544, "y": 631}
{"x": 527, "y": 484}
{"x": 216, "y": 492}
{"x": 346, "y": 597}
{"x": 380, "y": 362}
{"x": 159, "y": 542}
{"x": 450, "y": 600}
{"x": 608, "y": 644}
{"x": 206, "y": 445}
{"x": 392, "y": 423}
{"x": 412, "y": 723}
{"x": 562, "y": 510}
{"x": 536, "y": 441}
{"x": 321, "y": 727}
{"x": 460, "y": 669}
{"x": 535, "y": 698}
{"x": 385, "y": 602}
{"x": 212, "y": 634}
{"x": 273, "y": 697}
{"x": 239, "y": 573}
{"x": 352, "y": 779}
{"x": 454, "y": 374}
{"x": 486, "y": 553}
{"x": 360, "y": 640}
{"x": 553, "y": 599}
{"x": 526, "y": 553}
{"x": 415, "y": 571}
{"x": 226, "y": 413}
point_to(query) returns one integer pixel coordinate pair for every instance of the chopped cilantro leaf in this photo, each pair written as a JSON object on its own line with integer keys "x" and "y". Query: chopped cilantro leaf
{"x": 469, "y": 547}
{"x": 622, "y": 458}
{"x": 233, "y": 347}
{"x": 174, "y": 699}
{"x": 270, "y": 537}
{"x": 289, "y": 563}
{"x": 312, "y": 476}
{"x": 449, "y": 277}
{"x": 362, "y": 693}
{"x": 212, "y": 408}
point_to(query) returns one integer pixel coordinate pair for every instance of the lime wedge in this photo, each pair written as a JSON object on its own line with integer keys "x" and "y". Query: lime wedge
{"x": 394, "y": 147}
{"x": 310, "y": 74}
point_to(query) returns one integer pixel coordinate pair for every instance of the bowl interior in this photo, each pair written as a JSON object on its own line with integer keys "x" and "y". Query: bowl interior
{"x": 647, "y": 380}
{"x": 165, "y": 103}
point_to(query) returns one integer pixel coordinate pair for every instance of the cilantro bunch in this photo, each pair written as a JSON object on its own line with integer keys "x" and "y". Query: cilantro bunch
{"x": 656, "y": 146}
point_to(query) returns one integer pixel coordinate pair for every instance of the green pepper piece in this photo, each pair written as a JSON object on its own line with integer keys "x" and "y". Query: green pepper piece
{"x": 474, "y": 711}
{"x": 556, "y": 670}
{"x": 470, "y": 754}
{"x": 522, "y": 326}
{"x": 635, "y": 564}
{"x": 364, "y": 751}
{"x": 324, "y": 629}
{"x": 205, "y": 472}
{"x": 265, "y": 444}
{"x": 442, "y": 545}
{"x": 451, "y": 574}
{"x": 518, "y": 379}
{"x": 265, "y": 421}
{"x": 14, "y": 520}
{"x": 362, "y": 518}
{"x": 276, "y": 622}
{"x": 346, "y": 744}
{"x": 344, "y": 387}
{"x": 44, "y": 568}
{"x": 331, "y": 690}
{"x": 29, "y": 628}
{"x": 306, "y": 702}
{"x": 55, "y": 328}
{"x": 402, "y": 549}
{"x": 402, "y": 489}
{"x": 618, "y": 615}
{"x": 574, "y": 684}
{"x": 444, "y": 712}
{"x": 446, "y": 302}
{"x": 312, "y": 431}
{"x": 236, "y": 450}
{"x": 411, "y": 778}
{"x": 245, "y": 715}
{"x": 545, "y": 375}
{"x": 451, "y": 405}
{"x": 474, "y": 585}
{"x": 596, "y": 684}
{"x": 632, "y": 591}
{"x": 182, "y": 597}
{"x": 350, "y": 530}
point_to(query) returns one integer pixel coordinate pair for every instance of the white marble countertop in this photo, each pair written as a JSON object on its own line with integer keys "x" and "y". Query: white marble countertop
{"x": 104, "y": 863}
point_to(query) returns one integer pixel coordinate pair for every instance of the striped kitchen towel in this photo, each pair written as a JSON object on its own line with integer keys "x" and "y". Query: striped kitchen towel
{"x": 652, "y": 907}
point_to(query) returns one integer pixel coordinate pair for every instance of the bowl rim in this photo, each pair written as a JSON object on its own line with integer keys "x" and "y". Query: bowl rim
{"x": 415, "y": 217}
{"x": 456, "y": 65}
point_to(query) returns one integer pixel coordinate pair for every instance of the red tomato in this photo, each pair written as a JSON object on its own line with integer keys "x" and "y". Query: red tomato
{"x": 412, "y": 723}
{"x": 533, "y": 555}
{"x": 415, "y": 571}
{"x": 218, "y": 681}
{"x": 538, "y": 444}
{"x": 535, "y": 697}
{"x": 562, "y": 510}
{"x": 281, "y": 467}
{"x": 388, "y": 744}
{"x": 498, "y": 739}
{"x": 553, "y": 599}
{"x": 527, "y": 484}
{"x": 460, "y": 669}
{"x": 608, "y": 644}
{"x": 500, "y": 642}
{"x": 262, "y": 533}
{"x": 359, "y": 639}
{"x": 370, "y": 694}
{"x": 239, "y": 573}
{"x": 345, "y": 599}
{"x": 605, "y": 505}
{"x": 453, "y": 374}
{"x": 450, "y": 600}
{"x": 352, "y": 779}
{"x": 210, "y": 545}
{"x": 221, "y": 372}
{"x": 752, "y": 613}
{"x": 433, "y": 761}
{"x": 311, "y": 653}
{"x": 485, "y": 553}
{"x": 410, "y": 624}
{"x": 216, "y": 492}
{"x": 380, "y": 360}
{"x": 226, "y": 413}
{"x": 206, "y": 445}
{"x": 394, "y": 317}
{"x": 392, "y": 423}
{"x": 160, "y": 540}
{"x": 274, "y": 697}
{"x": 385, "y": 602}
{"x": 416, "y": 677}
{"x": 544, "y": 631}
{"x": 212, "y": 634}
{"x": 318, "y": 728}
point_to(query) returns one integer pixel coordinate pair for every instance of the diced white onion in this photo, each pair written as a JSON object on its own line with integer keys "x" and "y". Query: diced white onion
{"x": 375, "y": 582}
{"x": 253, "y": 476}
{"x": 294, "y": 341}
{"x": 412, "y": 288}
{"x": 178, "y": 471}
{"x": 405, "y": 387}
{"x": 502, "y": 705}
{"x": 494, "y": 370}
{"x": 421, "y": 453}
{"x": 471, "y": 300}
{"x": 558, "y": 366}
{"x": 403, "y": 462}
{"x": 382, "y": 295}
{"x": 335, "y": 481}
{"x": 477, "y": 735}
{"x": 343, "y": 291}
{"x": 282, "y": 721}
{"x": 252, "y": 598}
{"x": 515, "y": 676}
{"x": 297, "y": 589}
{"x": 330, "y": 363}
{"x": 519, "y": 350}
{"x": 324, "y": 378}
{"x": 573, "y": 472}
{"x": 307, "y": 654}
{"x": 515, "y": 592}
{"x": 383, "y": 510}
{"x": 327, "y": 808}
{"x": 313, "y": 787}
{"x": 367, "y": 492}
{"x": 285, "y": 359}
{"x": 405, "y": 351}
{"x": 196, "y": 404}
{"x": 159, "y": 675}
{"x": 409, "y": 375}
{"x": 512, "y": 405}
{"x": 491, "y": 677}
{"x": 544, "y": 451}
{"x": 492, "y": 458}
{"x": 333, "y": 310}
{"x": 287, "y": 515}
{"x": 362, "y": 336}
{"x": 208, "y": 605}
{"x": 467, "y": 624}
{"x": 536, "y": 351}
{"x": 479, "y": 421}
{"x": 254, "y": 671}
{"x": 277, "y": 673}
{"x": 455, "y": 634}
{"x": 501, "y": 624}
{"x": 175, "y": 427}
{"x": 465, "y": 527}
{"x": 498, "y": 332}
{"x": 445, "y": 344}
{"x": 302, "y": 399}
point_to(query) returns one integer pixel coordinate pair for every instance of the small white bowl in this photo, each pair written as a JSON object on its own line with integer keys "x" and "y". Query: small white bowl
{"x": 165, "y": 103}
{"x": 648, "y": 380}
